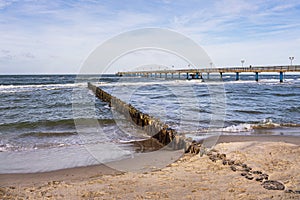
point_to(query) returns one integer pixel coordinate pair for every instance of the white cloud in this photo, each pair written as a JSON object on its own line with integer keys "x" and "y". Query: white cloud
{"x": 68, "y": 39}
{"x": 234, "y": 7}
{"x": 5, "y": 3}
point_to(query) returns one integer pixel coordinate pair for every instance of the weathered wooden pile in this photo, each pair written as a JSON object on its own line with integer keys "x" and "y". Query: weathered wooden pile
{"x": 152, "y": 126}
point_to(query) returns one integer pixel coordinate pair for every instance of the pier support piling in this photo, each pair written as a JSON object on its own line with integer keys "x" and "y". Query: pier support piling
{"x": 281, "y": 77}
{"x": 187, "y": 75}
{"x": 256, "y": 76}
{"x": 237, "y": 76}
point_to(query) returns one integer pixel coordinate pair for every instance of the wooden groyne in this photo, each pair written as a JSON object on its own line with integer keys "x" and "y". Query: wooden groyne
{"x": 152, "y": 126}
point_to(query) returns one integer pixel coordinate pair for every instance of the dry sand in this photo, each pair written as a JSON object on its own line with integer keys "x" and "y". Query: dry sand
{"x": 191, "y": 177}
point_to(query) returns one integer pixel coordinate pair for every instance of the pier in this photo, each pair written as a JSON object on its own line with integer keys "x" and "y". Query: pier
{"x": 198, "y": 73}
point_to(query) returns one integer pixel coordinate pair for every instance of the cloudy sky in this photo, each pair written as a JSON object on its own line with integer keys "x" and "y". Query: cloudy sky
{"x": 41, "y": 36}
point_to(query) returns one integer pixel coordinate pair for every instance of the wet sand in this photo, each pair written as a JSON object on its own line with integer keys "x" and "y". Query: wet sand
{"x": 190, "y": 177}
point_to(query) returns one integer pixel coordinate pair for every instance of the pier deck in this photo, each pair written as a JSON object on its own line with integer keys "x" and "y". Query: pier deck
{"x": 197, "y": 73}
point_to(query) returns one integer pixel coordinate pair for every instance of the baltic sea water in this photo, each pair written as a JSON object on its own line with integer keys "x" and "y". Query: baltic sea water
{"x": 37, "y": 130}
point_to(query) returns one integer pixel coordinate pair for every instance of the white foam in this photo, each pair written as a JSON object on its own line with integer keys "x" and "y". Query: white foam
{"x": 238, "y": 128}
{"x": 289, "y": 79}
{"x": 22, "y": 88}
{"x": 243, "y": 128}
{"x": 164, "y": 82}
{"x": 266, "y": 123}
{"x": 247, "y": 128}
{"x": 190, "y": 82}
{"x": 3, "y": 149}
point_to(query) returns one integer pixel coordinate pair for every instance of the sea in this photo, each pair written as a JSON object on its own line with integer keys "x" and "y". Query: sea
{"x": 52, "y": 122}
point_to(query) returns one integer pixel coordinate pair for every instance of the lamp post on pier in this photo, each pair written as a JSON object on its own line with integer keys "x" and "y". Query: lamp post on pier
{"x": 242, "y": 61}
{"x": 291, "y": 58}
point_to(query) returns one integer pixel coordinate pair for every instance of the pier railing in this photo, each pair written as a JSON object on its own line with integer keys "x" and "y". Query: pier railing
{"x": 293, "y": 68}
{"x": 197, "y": 73}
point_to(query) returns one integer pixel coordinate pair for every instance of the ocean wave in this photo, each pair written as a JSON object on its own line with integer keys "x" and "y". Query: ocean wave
{"x": 294, "y": 109}
{"x": 24, "y": 106}
{"x": 238, "y": 128}
{"x": 30, "y": 147}
{"x": 26, "y": 88}
{"x": 265, "y": 124}
{"x": 250, "y": 111}
{"x": 42, "y": 123}
{"x": 66, "y": 123}
{"x": 285, "y": 95}
{"x": 269, "y": 80}
{"x": 247, "y": 127}
{"x": 276, "y": 81}
{"x": 289, "y": 125}
{"x": 180, "y": 82}
{"x": 47, "y": 134}
{"x": 289, "y": 79}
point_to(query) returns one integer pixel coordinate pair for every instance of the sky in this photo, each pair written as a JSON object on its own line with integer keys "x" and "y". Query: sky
{"x": 41, "y": 36}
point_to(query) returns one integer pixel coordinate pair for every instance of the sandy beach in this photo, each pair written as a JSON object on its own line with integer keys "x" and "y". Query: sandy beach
{"x": 190, "y": 177}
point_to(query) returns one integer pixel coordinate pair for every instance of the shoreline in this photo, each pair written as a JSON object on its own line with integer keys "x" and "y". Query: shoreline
{"x": 86, "y": 172}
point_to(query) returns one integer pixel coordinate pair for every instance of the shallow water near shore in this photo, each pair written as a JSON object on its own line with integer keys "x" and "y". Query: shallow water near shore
{"x": 37, "y": 118}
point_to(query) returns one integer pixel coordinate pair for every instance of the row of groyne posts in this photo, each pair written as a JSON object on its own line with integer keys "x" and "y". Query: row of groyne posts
{"x": 168, "y": 137}
{"x": 198, "y": 73}
{"x": 163, "y": 133}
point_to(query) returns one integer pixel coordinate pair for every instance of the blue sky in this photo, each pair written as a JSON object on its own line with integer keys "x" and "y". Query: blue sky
{"x": 38, "y": 36}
